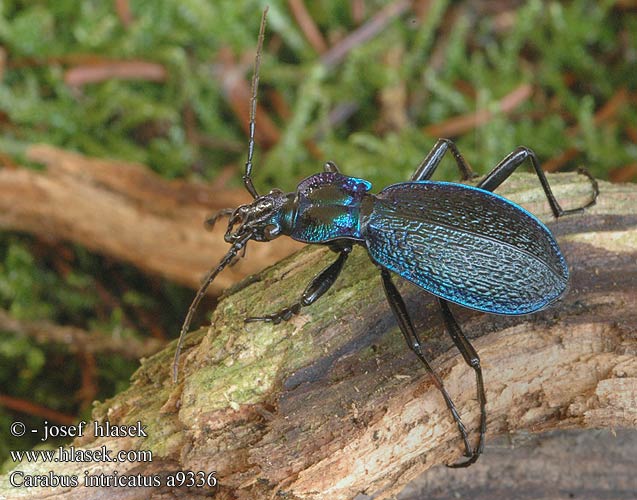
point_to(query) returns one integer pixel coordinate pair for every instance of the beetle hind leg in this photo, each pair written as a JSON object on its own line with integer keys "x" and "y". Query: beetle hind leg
{"x": 473, "y": 360}
{"x": 513, "y": 160}
{"x": 399, "y": 309}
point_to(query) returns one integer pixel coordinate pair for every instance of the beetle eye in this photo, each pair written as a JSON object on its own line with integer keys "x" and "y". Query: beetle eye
{"x": 271, "y": 231}
{"x": 264, "y": 205}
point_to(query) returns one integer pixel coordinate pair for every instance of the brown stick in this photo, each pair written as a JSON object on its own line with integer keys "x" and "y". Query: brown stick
{"x": 308, "y": 26}
{"x": 462, "y": 124}
{"x": 111, "y": 70}
{"x": 78, "y": 340}
{"x": 30, "y": 408}
{"x": 126, "y": 211}
{"x": 332, "y": 403}
{"x": 371, "y": 28}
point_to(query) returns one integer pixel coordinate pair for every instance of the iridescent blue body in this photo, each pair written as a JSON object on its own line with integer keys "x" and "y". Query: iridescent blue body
{"x": 458, "y": 242}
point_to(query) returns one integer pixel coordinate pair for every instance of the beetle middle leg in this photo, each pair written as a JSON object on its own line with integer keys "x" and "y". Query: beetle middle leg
{"x": 513, "y": 160}
{"x": 320, "y": 284}
{"x": 399, "y": 309}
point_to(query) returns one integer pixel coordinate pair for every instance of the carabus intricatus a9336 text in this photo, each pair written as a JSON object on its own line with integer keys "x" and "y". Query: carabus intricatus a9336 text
{"x": 461, "y": 243}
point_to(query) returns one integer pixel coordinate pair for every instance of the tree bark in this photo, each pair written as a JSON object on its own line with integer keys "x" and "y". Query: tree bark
{"x": 332, "y": 403}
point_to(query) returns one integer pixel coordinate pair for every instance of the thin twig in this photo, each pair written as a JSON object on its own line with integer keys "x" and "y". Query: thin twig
{"x": 367, "y": 31}
{"x": 30, "y": 408}
{"x": 115, "y": 70}
{"x": 461, "y": 124}
{"x": 308, "y": 26}
{"x": 603, "y": 114}
{"x": 78, "y": 340}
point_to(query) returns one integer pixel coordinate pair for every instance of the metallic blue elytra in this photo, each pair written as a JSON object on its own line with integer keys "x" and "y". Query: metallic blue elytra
{"x": 466, "y": 245}
{"x": 461, "y": 243}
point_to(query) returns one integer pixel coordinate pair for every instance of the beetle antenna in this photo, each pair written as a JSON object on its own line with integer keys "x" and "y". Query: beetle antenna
{"x": 247, "y": 177}
{"x": 212, "y": 274}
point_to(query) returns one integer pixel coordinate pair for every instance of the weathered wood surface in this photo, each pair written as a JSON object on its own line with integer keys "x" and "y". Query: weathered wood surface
{"x": 332, "y": 403}
{"x": 582, "y": 464}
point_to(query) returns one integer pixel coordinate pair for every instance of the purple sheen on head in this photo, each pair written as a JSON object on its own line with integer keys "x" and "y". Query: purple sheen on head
{"x": 344, "y": 184}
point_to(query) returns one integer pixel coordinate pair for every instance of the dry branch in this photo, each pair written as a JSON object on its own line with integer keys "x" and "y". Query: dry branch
{"x": 126, "y": 211}
{"x": 79, "y": 340}
{"x": 332, "y": 403}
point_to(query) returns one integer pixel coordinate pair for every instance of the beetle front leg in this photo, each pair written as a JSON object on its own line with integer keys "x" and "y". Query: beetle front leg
{"x": 320, "y": 284}
{"x": 513, "y": 160}
{"x": 473, "y": 360}
{"x": 210, "y": 222}
{"x": 428, "y": 166}
{"x": 399, "y": 309}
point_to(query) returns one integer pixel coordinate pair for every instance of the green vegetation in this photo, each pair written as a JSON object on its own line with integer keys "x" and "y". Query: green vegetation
{"x": 572, "y": 63}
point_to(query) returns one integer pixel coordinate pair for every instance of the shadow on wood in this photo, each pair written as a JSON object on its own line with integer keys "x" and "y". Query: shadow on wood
{"x": 560, "y": 465}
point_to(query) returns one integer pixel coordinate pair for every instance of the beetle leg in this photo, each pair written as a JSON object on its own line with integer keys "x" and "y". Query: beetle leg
{"x": 513, "y": 160}
{"x": 473, "y": 360}
{"x": 427, "y": 167}
{"x": 399, "y": 309}
{"x": 210, "y": 222}
{"x": 321, "y": 283}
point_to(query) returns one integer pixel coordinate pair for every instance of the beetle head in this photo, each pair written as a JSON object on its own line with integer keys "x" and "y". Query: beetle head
{"x": 261, "y": 219}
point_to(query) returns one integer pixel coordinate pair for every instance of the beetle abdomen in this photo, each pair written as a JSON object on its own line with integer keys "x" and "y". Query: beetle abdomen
{"x": 466, "y": 245}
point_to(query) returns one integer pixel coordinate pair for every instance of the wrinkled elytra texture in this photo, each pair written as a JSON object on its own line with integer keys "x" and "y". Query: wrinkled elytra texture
{"x": 466, "y": 245}
{"x": 461, "y": 243}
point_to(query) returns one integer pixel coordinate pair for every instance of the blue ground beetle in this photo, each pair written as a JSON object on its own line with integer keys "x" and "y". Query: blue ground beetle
{"x": 461, "y": 243}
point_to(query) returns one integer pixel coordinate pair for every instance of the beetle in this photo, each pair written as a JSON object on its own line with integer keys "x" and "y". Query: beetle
{"x": 464, "y": 244}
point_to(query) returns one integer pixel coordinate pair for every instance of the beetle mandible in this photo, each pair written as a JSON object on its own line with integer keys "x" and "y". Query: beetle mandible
{"x": 461, "y": 243}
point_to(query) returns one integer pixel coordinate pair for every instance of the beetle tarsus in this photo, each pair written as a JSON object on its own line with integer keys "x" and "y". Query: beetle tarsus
{"x": 210, "y": 222}
{"x": 471, "y": 357}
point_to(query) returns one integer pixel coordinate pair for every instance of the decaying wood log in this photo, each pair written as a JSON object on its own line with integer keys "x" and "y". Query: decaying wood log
{"x": 332, "y": 403}
{"x": 126, "y": 211}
